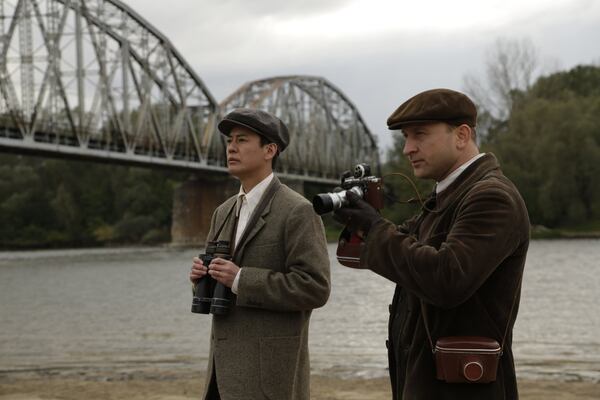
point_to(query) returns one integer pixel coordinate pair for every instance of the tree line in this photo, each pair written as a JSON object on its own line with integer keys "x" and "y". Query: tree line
{"x": 547, "y": 141}
{"x": 58, "y": 203}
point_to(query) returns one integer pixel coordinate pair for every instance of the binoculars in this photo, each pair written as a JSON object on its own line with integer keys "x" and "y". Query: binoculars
{"x": 211, "y": 296}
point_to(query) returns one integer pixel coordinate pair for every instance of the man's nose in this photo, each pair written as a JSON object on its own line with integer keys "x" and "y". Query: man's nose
{"x": 409, "y": 147}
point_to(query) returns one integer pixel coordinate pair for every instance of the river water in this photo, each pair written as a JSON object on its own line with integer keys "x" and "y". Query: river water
{"x": 129, "y": 309}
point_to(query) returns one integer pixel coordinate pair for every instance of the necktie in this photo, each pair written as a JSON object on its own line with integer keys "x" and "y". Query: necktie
{"x": 238, "y": 204}
{"x": 240, "y": 224}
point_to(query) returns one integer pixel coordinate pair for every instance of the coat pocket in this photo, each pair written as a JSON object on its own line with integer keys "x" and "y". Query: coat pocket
{"x": 279, "y": 365}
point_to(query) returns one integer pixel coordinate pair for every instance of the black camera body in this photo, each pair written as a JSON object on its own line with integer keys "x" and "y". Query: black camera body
{"x": 211, "y": 296}
{"x": 360, "y": 182}
{"x": 366, "y": 186}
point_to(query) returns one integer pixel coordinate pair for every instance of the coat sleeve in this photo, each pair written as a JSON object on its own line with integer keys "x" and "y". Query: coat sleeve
{"x": 305, "y": 284}
{"x": 447, "y": 269}
{"x": 408, "y": 225}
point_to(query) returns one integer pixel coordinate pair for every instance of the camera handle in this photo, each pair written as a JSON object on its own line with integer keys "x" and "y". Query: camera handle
{"x": 348, "y": 250}
{"x": 512, "y": 308}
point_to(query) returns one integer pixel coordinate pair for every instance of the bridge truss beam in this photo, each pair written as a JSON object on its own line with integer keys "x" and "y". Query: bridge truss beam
{"x": 328, "y": 134}
{"x": 91, "y": 79}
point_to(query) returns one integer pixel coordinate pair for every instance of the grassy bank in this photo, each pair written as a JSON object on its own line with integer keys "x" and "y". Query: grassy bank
{"x": 588, "y": 230}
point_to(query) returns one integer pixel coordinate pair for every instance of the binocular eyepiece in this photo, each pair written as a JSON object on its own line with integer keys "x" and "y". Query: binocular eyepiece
{"x": 211, "y": 296}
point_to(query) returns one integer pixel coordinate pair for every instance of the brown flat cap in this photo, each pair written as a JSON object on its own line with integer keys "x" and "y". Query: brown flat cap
{"x": 436, "y": 105}
{"x": 258, "y": 121}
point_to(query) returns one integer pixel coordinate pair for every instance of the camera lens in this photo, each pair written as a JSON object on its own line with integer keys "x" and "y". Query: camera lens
{"x": 322, "y": 203}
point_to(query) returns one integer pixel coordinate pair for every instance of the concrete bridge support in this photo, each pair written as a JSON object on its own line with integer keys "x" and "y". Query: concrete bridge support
{"x": 193, "y": 205}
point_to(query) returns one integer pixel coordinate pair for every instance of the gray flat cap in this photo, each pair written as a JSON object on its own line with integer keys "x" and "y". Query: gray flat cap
{"x": 258, "y": 121}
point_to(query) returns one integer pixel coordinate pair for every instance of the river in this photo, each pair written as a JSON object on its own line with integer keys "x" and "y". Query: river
{"x": 129, "y": 308}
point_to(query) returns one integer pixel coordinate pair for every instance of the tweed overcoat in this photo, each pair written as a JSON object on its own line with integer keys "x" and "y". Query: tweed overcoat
{"x": 465, "y": 261}
{"x": 260, "y": 349}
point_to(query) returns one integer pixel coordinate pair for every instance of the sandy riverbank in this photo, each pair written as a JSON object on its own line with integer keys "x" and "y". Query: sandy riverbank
{"x": 160, "y": 385}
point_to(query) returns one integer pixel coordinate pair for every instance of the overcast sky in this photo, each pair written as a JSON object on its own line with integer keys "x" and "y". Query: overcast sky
{"x": 378, "y": 52}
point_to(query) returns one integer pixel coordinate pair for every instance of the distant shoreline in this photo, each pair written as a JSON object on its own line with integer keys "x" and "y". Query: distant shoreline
{"x": 331, "y": 239}
{"x": 541, "y": 232}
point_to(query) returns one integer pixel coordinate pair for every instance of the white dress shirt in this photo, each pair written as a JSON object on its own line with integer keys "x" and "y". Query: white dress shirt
{"x": 247, "y": 203}
{"x": 447, "y": 181}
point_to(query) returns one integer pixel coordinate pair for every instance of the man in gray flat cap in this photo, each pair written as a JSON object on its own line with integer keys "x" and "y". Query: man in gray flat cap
{"x": 457, "y": 265}
{"x": 279, "y": 271}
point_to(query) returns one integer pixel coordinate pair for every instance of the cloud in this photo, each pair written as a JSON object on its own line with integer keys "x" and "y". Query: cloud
{"x": 379, "y": 53}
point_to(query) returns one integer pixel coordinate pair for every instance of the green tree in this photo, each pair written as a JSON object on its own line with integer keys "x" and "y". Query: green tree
{"x": 45, "y": 203}
{"x": 550, "y": 147}
{"x": 25, "y": 213}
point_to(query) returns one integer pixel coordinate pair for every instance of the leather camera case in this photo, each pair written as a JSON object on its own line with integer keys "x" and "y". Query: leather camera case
{"x": 467, "y": 359}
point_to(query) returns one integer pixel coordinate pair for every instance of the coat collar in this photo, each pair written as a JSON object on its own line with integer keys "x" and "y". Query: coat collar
{"x": 474, "y": 172}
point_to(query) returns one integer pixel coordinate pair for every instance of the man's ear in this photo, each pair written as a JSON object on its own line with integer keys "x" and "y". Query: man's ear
{"x": 271, "y": 151}
{"x": 463, "y": 135}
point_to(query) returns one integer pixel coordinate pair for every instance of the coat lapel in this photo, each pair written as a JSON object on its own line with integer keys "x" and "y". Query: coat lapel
{"x": 226, "y": 225}
{"x": 257, "y": 221}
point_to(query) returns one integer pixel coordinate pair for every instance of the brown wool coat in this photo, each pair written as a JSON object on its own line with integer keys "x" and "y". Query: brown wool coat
{"x": 465, "y": 261}
{"x": 260, "y": 349}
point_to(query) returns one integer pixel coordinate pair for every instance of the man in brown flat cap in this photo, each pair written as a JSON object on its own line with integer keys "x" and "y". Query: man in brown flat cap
{"x": 279, "y": 271}
{"x": 457, "y": 265}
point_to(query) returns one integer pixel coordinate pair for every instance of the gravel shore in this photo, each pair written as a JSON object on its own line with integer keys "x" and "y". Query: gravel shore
{"x": 161, "y": 385}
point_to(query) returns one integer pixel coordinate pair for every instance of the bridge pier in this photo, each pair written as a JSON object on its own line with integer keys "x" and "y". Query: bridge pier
{"x": 309, "y": 164}
{"x": 194, "y": 202}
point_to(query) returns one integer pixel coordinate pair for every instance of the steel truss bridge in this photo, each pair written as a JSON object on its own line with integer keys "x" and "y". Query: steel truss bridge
{"x": 91, "y": 79}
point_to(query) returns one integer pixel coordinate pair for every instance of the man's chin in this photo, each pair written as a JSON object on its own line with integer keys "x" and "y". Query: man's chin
{"x": 420, "y": 174}
{"x": 235, "y": 171}
{"x": 232, "y": 170}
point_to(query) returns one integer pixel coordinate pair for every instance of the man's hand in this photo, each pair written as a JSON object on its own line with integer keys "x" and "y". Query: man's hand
{"x": 198, "y": 271}
{"x": 358, "y": 215}
{"x": 223, "y": 271}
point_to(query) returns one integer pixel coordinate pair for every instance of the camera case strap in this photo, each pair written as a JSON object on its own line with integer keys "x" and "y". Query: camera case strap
{"x": 467, "y": 359}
